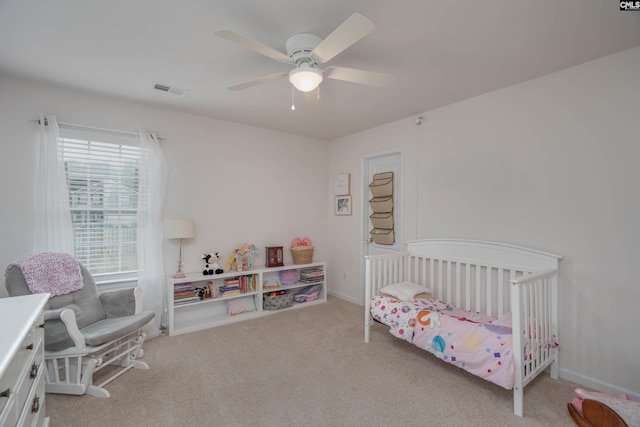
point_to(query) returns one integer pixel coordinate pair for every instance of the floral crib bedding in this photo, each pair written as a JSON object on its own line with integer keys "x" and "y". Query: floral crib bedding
{"x": 466, "y": 339}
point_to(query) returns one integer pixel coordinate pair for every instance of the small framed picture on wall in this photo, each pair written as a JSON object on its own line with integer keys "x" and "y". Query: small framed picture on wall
{"x": 343, "y": 184}
{"x": 343, "y": 205}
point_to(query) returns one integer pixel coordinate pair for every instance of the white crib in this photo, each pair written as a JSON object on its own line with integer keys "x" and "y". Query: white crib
{"x": 490, "y": 278}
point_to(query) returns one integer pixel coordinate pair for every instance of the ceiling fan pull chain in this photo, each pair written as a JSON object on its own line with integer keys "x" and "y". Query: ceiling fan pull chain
{"x": 293, "y": 105}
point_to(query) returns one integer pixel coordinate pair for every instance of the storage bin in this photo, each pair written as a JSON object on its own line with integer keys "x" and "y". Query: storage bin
{"x": 382, "y": 220}
{"x": 302, "y": 254}
{"x": 308, "y": 293}
{"x": 383, "y": 175}
{"x": 382, "y": 237}
{"x": 381, "y": 204}
{"x": 278, "y": 301}
{"x": 381, "y": 187}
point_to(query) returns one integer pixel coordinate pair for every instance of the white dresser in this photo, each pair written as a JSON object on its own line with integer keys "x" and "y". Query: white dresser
{"x": 22, "y": 361}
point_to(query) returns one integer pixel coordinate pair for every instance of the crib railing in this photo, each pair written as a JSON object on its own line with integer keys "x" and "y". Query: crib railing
{"x": 530, "y": 298}
{"x": 380, "y": 271}
{"x": 534, "y": 303}
{"x": 473, "y": 286}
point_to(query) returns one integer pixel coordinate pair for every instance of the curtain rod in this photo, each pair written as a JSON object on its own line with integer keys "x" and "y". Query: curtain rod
{"x": 35, "y": 119}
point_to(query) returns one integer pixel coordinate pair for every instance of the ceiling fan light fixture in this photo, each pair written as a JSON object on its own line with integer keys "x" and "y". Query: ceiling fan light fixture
{"x": 305, "y": 78}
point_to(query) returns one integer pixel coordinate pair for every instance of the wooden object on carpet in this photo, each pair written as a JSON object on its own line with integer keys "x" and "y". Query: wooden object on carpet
{"x": 595, "y": 414}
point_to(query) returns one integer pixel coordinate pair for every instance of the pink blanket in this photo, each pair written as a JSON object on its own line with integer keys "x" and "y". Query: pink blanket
{"x": 467, "y": 339}
{"x": 50, "y": 272}
{"x": 463, "y": 338}
{"x": 479, "y": 348}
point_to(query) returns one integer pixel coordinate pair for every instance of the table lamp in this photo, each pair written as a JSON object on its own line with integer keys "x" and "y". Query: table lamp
{"x": 180, "y": 229}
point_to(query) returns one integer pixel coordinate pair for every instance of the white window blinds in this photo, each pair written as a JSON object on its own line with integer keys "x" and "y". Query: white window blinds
{"x": 102, "y": 176}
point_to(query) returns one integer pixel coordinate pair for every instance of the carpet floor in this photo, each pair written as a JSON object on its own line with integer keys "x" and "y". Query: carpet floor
{"x": 306, "y": 367}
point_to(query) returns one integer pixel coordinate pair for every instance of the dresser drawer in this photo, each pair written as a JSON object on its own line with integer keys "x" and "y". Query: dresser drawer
{"x": 33, "y": 410}
{"x": 22, "y": 365}
{"x": 21, "y": 376}
{"x": 31, "y": 373}
{"x": 27, "y": 348}
{"x": 8, "y": 411}
{"x": 13, "y": 373}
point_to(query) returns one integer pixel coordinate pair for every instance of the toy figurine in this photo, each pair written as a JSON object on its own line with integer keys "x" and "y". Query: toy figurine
{"x": 213, "y": 289}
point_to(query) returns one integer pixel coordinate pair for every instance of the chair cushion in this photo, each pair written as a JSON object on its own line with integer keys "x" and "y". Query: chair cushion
{"x": 56, "y": 336}
{"x": 106, "y": 330}
{"x": 118, "y": 303}
{"x": 84, "y": 302}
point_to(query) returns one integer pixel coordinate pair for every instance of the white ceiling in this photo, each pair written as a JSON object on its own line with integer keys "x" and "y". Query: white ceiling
{"x": 440, "y": 51}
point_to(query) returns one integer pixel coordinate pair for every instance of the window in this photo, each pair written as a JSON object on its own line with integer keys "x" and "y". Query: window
{"x": 102, "y": 177}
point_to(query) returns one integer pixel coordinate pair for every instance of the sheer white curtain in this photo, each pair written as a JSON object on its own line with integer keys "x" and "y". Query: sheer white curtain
{"x": 53, "y": 229}
{"x": 153, "y": 172}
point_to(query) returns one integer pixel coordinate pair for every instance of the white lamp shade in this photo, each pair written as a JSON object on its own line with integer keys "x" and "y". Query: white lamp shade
{"x": 305, "y": 78}
{"x": 180, "y": 229}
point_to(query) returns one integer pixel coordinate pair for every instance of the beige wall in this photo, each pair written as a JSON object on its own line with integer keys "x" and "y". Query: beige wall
{"x": 240, "y": 184}
{"x": 550, "y": 164}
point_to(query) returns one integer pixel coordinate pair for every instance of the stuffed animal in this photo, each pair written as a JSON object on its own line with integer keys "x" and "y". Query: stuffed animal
{"x": 211, "y": 264}
{"x": 203, "y": 293}
{"x": 216, "y": 266}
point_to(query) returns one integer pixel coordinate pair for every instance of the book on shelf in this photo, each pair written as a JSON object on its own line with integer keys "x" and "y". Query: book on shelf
{"x": 180, "y": 295}
{"x": 311, "y": 275}
{"x": 183, "y": 288}
{"x": 184, "y": 293}
{"x": 231, "y": 286}
{"x": 311, "y": 280}
{"x": 185, "y": 301}
{"x": 240, "y": 284}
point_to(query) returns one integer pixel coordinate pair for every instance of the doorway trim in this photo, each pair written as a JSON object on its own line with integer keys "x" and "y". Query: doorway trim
{"x": 399, "y": 211}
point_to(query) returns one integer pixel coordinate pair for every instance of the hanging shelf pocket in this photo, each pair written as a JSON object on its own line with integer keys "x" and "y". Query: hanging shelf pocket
{"x": 381, "y": 188}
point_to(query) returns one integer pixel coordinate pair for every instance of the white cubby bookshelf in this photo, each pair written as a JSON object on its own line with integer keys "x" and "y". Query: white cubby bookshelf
{"x": 210, "y": 312}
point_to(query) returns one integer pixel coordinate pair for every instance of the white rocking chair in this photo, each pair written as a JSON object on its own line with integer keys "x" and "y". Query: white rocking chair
{"x": 85, "y": 332}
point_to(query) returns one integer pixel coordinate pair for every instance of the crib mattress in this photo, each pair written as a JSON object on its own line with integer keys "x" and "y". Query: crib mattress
{"x": 466, "y": 339}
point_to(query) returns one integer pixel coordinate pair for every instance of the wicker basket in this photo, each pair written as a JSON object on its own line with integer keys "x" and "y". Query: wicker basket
{"x": 302, "y": 254}
{"x": 277, "y": 302}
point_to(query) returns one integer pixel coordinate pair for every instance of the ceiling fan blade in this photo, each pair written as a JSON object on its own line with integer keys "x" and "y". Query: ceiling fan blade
{"x": 265, "y": 79}
{"x": 254, "y": 45}
{"x": 349, "y": 32}
{"x": 352, "y": 75}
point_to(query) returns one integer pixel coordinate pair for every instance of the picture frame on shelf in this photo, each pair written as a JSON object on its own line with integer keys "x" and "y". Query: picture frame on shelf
{"x": 342, "y": 205}
{"x": 274, "y": 256}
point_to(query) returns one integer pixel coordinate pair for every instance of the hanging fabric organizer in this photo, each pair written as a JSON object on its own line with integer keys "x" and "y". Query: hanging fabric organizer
{"x": 381, "y": 188}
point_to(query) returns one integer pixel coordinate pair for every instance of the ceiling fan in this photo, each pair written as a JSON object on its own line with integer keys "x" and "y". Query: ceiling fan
{"x": 305, "y": 51}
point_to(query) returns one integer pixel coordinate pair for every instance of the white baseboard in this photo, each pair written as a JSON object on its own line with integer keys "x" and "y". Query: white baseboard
{"x": 592, "y": 384}
{"x": 345, "y": 297}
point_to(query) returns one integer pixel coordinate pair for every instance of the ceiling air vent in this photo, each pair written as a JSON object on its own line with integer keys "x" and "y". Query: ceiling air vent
{"x": 171, "y": 89}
